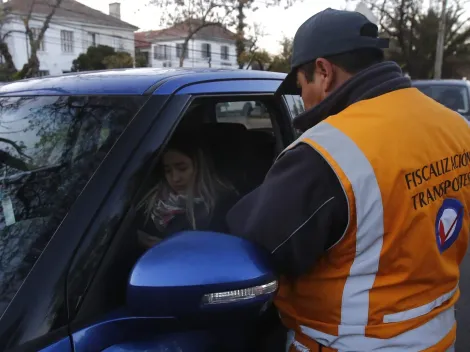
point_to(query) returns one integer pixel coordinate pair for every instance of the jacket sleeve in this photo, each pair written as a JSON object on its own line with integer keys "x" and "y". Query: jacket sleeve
{"x": 298, "y": 212}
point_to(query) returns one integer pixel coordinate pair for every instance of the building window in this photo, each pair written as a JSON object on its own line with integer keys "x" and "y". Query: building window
{"x": 179, "y": 51}
{"x": 36, "y": 32}
{"x": 92, "y": 39}
{"x": 66, "y": 41}
{"x": 206, "y": 50}
{"x": 161, "y": 52}
{"x": 224, "y": 52}
{"x": 118, "y": 43}
{"x": 42, "y": 73}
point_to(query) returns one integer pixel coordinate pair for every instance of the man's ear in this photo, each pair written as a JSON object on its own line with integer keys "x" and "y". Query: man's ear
{"x": 325, "y": 69}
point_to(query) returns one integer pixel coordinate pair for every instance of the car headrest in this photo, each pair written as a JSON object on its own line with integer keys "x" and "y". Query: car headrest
{"x": 222, "y": 130}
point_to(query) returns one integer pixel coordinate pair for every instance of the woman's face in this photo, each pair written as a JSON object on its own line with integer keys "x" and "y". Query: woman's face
{"x": 179, "y": 170}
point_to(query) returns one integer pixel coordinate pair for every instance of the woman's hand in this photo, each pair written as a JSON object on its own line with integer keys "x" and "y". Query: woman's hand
{"x": 146, "y": 240}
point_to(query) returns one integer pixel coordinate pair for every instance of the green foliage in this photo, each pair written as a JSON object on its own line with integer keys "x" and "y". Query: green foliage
{"x": 93, "y": 59}
{"x": 281, "y": 62}
{"x": 119, "y": 60}
{"x": 141, "y": 59}
{"x": 413, "y": 33}
{"x": 263, "y": 61}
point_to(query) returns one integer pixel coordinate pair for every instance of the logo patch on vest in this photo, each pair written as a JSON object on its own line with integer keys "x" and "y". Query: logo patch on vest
{"x": 448, "y": 223}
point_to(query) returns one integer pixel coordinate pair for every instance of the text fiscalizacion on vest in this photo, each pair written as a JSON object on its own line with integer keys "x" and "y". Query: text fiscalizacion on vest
{"x": 426, "y": 174}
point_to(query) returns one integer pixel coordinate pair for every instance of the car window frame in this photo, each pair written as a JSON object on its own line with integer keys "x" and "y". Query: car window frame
{"x": 178, "y": 105}
{"x": 160, "y": 126}
{"x": 288, "y": 110}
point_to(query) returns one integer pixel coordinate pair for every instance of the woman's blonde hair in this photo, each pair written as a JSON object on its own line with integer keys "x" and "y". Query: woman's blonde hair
{"x": 207, "y": 185}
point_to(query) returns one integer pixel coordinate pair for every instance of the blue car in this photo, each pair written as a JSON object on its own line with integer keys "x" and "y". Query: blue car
{"x": 77, "y": 152}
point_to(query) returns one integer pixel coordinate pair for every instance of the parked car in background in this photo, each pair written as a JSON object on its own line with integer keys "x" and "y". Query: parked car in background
{"x": 247, "y": 108}
{"x": 455, "y": 94}
{"x": 78, "y": 152}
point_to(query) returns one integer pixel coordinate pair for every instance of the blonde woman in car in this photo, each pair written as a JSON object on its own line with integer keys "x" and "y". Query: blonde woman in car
{"x": 189, "y": 195}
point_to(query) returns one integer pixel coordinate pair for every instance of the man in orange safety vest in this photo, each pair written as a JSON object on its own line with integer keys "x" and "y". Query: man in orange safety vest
{"x": 367, "y": 214}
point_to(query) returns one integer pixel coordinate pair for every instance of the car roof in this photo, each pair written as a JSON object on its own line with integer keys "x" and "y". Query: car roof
{"x": 440, "y": 82}
{"x": 135, "y": 81}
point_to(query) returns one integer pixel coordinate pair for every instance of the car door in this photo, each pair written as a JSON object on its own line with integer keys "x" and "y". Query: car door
{"x": 97, "y": 277}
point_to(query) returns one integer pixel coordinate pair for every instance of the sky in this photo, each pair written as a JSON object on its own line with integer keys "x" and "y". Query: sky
{"x": 276, "y": 22}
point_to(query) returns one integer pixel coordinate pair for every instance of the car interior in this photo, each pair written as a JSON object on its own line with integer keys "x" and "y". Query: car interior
{"x": 243, "y": 144}
{"x": 242, "y": 148}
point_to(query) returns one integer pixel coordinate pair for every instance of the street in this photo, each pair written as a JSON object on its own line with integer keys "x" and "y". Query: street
{"x": 463, "y": 308}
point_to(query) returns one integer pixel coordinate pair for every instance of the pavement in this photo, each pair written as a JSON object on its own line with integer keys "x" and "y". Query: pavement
{"x": 463, "y": 308}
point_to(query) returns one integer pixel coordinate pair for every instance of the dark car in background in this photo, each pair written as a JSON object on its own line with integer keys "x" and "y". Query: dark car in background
{"x": 452, "y": 93}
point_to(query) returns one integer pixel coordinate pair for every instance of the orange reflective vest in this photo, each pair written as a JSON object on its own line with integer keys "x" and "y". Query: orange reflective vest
{"x": 391, "y": 282}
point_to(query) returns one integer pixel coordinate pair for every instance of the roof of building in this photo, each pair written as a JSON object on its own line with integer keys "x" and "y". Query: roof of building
{"x": 134, "y": 81}
{"x": 181, "y": 30}
{"x": 69, "y": 9}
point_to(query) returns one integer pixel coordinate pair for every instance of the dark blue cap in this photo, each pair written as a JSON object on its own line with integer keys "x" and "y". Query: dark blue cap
{"x": 327, "y": 33}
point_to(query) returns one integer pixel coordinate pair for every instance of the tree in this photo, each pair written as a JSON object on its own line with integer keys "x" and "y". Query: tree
{"x": 282, "y": 61}
{"x": 261, "y": 60}
{"x": 191, "y": 16}
{"x": 243, "y": 6}
{"x": 141, "y": 59}
{"x": 413, "y": 34}
{"x": 93, "y": 59}
{"x": 8, "y": 68}
{"x": 119, "y": 60}
{"x": 31, "y": 68}
{"x": 194, "y": 15}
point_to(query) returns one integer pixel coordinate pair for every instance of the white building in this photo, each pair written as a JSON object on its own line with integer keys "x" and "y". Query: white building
{"x": 213, "y": 46}
{"x": 72, "y": 30}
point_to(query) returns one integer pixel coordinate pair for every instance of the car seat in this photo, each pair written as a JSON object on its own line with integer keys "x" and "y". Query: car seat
{"x": 239, "y": 155}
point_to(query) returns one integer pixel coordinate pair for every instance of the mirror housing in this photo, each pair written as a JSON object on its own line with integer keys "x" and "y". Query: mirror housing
{"x": 197, "y": 274}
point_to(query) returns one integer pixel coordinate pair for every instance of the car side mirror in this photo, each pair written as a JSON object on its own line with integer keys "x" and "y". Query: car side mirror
{"x": 199, "y": 275}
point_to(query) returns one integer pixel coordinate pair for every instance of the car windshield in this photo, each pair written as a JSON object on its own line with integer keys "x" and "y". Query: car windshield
{"x": 49, "y": 148}
{"x": 454, "y": 97}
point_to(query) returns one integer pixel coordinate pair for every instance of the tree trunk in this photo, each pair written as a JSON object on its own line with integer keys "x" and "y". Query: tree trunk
{"x": 31, "y": 68}
{"x": 9, "y": 64}
{"x": 239, "y": 43}
{"x": 189, "y": 37}
{"x": 184, "y": 50}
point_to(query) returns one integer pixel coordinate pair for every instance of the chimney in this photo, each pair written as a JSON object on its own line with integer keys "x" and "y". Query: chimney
{"x": 115, "y": 10}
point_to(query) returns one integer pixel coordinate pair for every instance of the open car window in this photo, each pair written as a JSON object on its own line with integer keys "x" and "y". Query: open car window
{"x": 251, "y": 114}
{"x": 50, "y": 147}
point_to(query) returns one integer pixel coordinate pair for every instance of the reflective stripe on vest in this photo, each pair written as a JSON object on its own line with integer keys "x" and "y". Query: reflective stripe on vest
{"x": 369, "y": 241}
{"x": 370, "y": 223}
{"x": 421, "y": 338}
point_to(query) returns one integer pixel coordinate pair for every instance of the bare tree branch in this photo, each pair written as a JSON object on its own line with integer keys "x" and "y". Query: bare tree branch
{"x": 31, "y": 68}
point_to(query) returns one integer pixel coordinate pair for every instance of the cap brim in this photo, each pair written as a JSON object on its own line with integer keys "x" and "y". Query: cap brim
{"x": 289, "y": 85}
